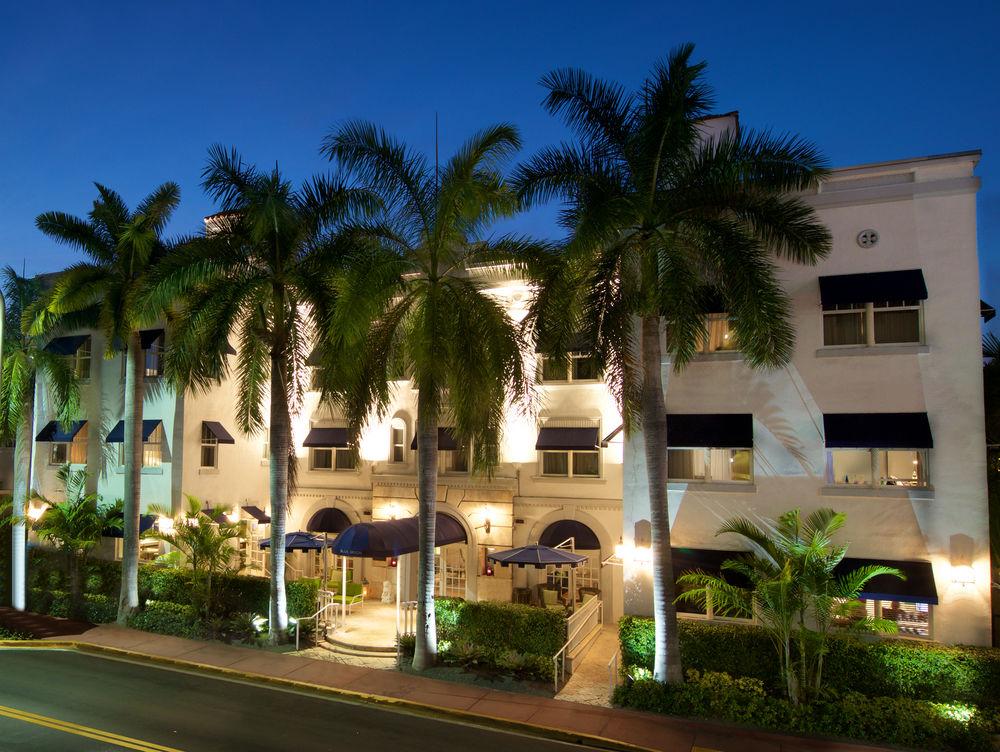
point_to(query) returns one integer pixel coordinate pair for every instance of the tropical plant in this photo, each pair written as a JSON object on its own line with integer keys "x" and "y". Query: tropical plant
{"x": 25, "y": 360}
{"x": 664, "y": 215}
{"x": 75, "y": 525}
{"x": 205, "y": 545}
{"x": 106, "y": 293}
{"x": 412, "y": 301}
{"x": 260, "y": 270}
{"x": 790, "y": 581}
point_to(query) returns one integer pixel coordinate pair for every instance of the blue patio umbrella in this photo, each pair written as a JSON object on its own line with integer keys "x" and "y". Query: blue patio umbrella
{"x": 538, "y": 557}
{"x": 299, "y": 541}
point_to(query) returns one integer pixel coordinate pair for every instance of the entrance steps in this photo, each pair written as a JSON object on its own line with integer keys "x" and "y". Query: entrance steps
{"x": 575, "y": 658}
{"x": 337, "y": 644}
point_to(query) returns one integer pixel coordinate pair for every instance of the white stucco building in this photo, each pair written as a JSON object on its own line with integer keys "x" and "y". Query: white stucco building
{"x": 879, "y": 414}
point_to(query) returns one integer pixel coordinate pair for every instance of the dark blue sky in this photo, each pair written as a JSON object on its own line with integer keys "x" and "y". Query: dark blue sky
{"x": 132, "y": 94}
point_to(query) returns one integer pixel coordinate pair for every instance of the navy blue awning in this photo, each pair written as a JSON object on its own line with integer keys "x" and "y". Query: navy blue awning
{"x": 872, "y": 287}
{"x": 583, "y": 537}
{"x": 221, "y": 434}
{"x": 326, "y": 438}
{"x": 258, "y": 514}
{"x": 560, "y": 439}
{"x": 117, "y": 435}
{"x": 446, "y": 440}
{"x": 918, "y": 587}
{"x": 714, "y": 430}
{"x": 52, "y": 431}
{"x": 66, "y": 345}
{"x": 877, "y": 431}
{"x": 386, "y": 539}
{"x": 538, "y": 557}
{"x": 299, "y": 541}
{"x": 328, "y": 520}
{"x": 146, "y": 522}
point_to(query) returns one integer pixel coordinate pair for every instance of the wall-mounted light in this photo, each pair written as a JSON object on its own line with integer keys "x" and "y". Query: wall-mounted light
{"x": 35, "y": 513}
{"x": 233, "y": 516}
{"x": 963, "y": 575}
{"x": 632, "y": 555}
{"x": 165, "y": 525}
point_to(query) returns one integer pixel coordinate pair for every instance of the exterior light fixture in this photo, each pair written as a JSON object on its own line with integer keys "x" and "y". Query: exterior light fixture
{"x": 963, "y": 575}
{"x": 233, "y": 516}
{"x": 165, "y": 525}
{"x": 35, "y": 513}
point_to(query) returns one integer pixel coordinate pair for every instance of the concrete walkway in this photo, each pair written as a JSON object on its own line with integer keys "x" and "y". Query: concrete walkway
{"x": 590, "y": 683}
{"x": 470, "y": 703}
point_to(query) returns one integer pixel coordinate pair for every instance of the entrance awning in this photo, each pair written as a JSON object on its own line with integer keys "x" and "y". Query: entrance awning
{"x": 328, "y": 520}
{"x": 560, "y": 439}
{"x": 218, "y": 431}
{"x": 583, "y": 537}
{"x": 52, "y": 432}
{"x": 300, "y": 540}
{"x": 715, "y": 430}
{"x": 877, "y": 431}
{"x": 66, "y": 345}
{"x": 258, "y": 514}
{"x": 446, "y": 440}
{"x": 386, "y": 539}
{"x": 326, "y": 438}
{"x": 842, "y": 289}
{"x": 538, "y": 557}
{"x": 117, "y": 435}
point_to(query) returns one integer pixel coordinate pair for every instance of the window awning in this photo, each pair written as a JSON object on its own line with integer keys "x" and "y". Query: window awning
{"x": 918, "y": 587}
{"x": 868, "y": 288}
{"x": 314, "y": 359}
{"x": 877, "y": 431}
{"x": 52, "y": 431}
{"x": 560, "y": 439}
{"x": 583, "y": 537}
{"x": 146, "y": 522}
{"x": 148, "y": 336}
{"x": 706, "y": 560}
{"x": 229, "y": 349}
{"x": 66, "y": 345}
{"x": 218, "y": 431}
{"x": 715, "y": 430}
{"x": 391, "y": 538}
{"x": 326, "y": 438}
{"x": 446, "y": 440}
{"x": 117, "y": 435}
{"x": 258, "y": 514}
{"x": 328, "y": 520}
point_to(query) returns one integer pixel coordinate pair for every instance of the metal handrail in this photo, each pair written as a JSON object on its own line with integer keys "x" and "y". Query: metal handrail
{"x": 315, "y": 616}
{"x": 559, "y": 668}
{"x": 613, "y": 673}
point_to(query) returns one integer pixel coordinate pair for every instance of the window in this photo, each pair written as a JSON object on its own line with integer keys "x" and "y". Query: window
{"x": 454, "y": 460}
{"x": 209, "y": 448}
{"x": 74, "y": 452}
{"x": 882, "y": 467}
{"x": 911, "y": 619}
{"x": 579, "y": 367}
{"x": 154, "y": 358}
{"x": 719, "y": 337}
{"x": 80, "y": 360}
{"x": 152, "y": 449}
{"x": 882, "y": 323}
{"x": 332, "y": 458}
{"x": 710, "y": 465}
{"x": 397, "y": 441}
{"x": 59, "y": 454}
{"x": 569, "y": 464}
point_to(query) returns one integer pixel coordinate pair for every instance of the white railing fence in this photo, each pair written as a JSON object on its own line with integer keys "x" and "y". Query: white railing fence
{"x": 613, "y": 673}
{"x": 406, "y": 625}
{"x": 578, "y": 626}
{"x": 326, "y": 616}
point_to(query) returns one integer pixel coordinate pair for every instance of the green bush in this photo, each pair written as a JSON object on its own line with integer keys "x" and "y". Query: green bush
{"x": 876, "y": 667}
{"x": 167, "y": 618}
{"x": 890, "y": 720}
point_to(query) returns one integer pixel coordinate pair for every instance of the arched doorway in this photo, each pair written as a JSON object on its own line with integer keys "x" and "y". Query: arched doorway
{"x": 582, "y": 539}
{"x": 452, "y": 566}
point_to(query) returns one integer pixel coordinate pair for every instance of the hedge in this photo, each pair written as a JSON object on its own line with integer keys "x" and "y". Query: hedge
{"x": 168, "y": 618}
{"x": 98, "y": 609}
{"x": 876, "y": 667}
{"x": 890, "y": 720}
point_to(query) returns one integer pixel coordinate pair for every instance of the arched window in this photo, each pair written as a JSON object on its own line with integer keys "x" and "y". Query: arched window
{"x": 397, "y": 440}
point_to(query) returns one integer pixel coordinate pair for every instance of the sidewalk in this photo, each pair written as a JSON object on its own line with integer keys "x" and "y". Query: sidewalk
{"x": 646, "y": 731}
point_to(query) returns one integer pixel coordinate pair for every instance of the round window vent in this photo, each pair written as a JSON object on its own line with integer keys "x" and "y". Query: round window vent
{"x": 868, "y": 238}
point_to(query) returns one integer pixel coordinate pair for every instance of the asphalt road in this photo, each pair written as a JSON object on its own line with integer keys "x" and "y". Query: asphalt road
{"x": 71, "y": 702}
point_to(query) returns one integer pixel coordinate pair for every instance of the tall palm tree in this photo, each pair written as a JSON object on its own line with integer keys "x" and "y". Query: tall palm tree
{"x": 106, "y": 292}
{"x": 25, "y": 360}
{"x": 412, "y": 302}
{"x": 261, "y": 270}
{"x": 658, "y": 213}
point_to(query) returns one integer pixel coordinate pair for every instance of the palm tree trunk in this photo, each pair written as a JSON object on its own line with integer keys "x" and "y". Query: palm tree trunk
{"x": 23, "y": 460}
{"x": 75, "y": 585}
{"x": 425, "y": 652}
{"x": 280, "y": 441}
{"x": 667, "y": 664}
{"x": 128, "y": 600}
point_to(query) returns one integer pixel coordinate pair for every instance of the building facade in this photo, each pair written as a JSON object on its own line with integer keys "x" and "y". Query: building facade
{"x": 879, "y": 414}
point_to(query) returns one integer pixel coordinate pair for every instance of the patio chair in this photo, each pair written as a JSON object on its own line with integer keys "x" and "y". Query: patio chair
{"x": 552, "y": 601}
{"x": 355, "y": 595}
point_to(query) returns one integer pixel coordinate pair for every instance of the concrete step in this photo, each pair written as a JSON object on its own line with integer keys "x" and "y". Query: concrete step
{"x": 575, "y": 658}
{"x": 351, "y": 648}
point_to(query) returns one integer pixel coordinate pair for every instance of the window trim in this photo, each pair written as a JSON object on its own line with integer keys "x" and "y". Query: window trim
{"x": 334, "y": 452}
{"x": 208, "y": 439}
{"x": 868, "y": 311}
{"x": 569, "y": 464}
{"x": 704, "y": 342}
{"x": 708, "y": 479}
{"x": 875, "y": 469}
{"x": 570, "y": 367}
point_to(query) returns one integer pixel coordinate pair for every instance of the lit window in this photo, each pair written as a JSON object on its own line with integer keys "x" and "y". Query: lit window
{"x": 74, "y": 452}
{"x": 209, "y": 448}
{"x": 881, "y": 323}
{"x": 568, "y": 464}
{"x": 889, "y": 467}
{"x": 911, "y": 619}
{"x": 455, "y": 460}
{"x": 710, "y": 465}
{"x": 79, "y": 362}
{"x": 154, "y": 358}
{"x": 397, "y": 440}
{"x": 152, "y": 448}
{"x": 331, "y": 458}
{"x": 578, "y": 367}
{"x": 719, "y": 336}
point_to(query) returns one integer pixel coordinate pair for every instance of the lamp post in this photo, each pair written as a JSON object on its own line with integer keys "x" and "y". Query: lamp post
{"x": 18, "y": 532}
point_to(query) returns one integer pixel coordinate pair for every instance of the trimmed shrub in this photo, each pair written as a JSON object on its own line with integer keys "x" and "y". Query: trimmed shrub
{"x": 889, "y": 720}
{"x": 167, "y": 618}
{"x": 874, "y": 666}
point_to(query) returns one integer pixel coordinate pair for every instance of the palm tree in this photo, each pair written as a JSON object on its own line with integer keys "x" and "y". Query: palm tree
{"x": 75, "y": 526}
{"x": 107, "y": 294}
{"x": 261, "y": 270}
{"x": 412, "y": 302}
{"x": 794, "y": 589}
{"x": 659, "y": 212}
{"x": 25, "y": 360}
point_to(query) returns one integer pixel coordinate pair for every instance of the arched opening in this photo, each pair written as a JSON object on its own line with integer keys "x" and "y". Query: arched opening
{"x": 582, "y": 539}
{"x": 451, "y": 560}
{"x": 399, "y": 430}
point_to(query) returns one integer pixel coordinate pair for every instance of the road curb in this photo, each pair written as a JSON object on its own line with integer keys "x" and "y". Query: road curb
{"x": 421, "y": 708}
